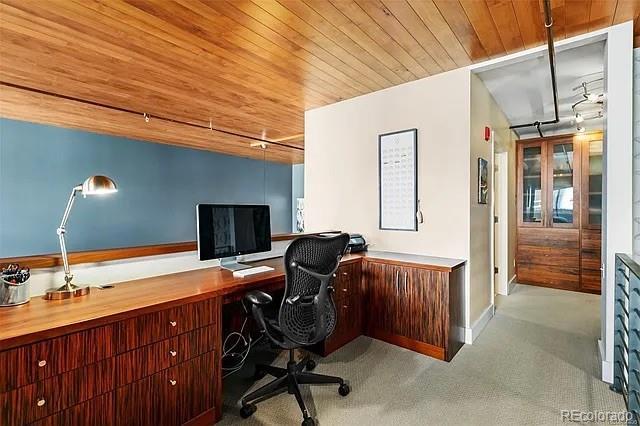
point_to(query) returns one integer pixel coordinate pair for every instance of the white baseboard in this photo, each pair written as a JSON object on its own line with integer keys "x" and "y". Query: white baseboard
{"x": 606, "y": 366}
{"x": 511, "y": 284}
{"x": 471, "y": 334}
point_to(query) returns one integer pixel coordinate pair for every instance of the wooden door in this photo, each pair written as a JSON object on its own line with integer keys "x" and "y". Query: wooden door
{"x": 382, "y": 287}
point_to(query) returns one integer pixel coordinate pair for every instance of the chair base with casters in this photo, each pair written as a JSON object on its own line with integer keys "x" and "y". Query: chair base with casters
{"x": 289, "y": 380}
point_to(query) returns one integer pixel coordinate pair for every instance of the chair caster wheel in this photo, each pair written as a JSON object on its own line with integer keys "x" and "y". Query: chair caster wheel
{"x": 309, "y": 422}
{"x": 311, "y": 365}
{"x": 344, "y": 389}
{"x": 247, "y": 410}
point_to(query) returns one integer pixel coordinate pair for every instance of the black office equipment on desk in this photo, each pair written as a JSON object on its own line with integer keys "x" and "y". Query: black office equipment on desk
{"x": 357, "y": 243}
{"x": 307, "y": 316}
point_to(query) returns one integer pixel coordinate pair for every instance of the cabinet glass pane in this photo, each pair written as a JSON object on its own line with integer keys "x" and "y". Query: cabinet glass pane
{"x": 595, "y": 182}
{"x": 532, "y": 184}
{"x": 562, "y": 199}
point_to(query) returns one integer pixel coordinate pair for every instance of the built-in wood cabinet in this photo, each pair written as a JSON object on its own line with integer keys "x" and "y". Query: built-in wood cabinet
{"x": 157, "y": 368}
{"x": 347, "y": 297}
{"x": 559, "y": 196}
{"x": 415, "y": 307}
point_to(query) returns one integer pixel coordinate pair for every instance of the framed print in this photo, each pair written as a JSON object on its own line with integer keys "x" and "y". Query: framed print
{"x": 398, "y": 180}
{"x": 483, "y": 180}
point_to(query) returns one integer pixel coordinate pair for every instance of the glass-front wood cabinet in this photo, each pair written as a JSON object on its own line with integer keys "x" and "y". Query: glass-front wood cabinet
{"x": 559, "y": 196}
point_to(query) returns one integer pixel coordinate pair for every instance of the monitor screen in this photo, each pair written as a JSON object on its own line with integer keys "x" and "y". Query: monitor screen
{"x": 226, "y": 230}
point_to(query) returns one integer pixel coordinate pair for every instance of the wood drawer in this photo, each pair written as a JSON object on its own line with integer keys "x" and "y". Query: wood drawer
{"x": 44, "y": 398}
{"x": 170, "y": 397}
{"x": 139, "y": 363}
{"x": 550, "y": 276}
{"x": 347, "y": 282}
{"x": 566, "y": 257}
{"x": 153, "y": 327}
{"x": 48, "y": 358}
{"x": 348, "y": 326}
{"x": 95, "y": 412}
{"x": 553, "y": 238}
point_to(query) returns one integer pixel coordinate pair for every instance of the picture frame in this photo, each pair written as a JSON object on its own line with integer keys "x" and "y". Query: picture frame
{"x": 483, "y": 181}
{"x": 398, "y": 180}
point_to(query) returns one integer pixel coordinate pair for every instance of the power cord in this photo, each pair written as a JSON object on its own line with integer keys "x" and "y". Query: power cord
{"x": 236, "y": 354}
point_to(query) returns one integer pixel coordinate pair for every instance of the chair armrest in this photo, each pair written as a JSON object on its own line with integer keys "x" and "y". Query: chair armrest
{"x": 257, "y": 297}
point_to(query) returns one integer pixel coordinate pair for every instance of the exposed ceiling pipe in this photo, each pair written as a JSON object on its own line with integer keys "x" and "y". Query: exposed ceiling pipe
{"x": 548, "y": 24}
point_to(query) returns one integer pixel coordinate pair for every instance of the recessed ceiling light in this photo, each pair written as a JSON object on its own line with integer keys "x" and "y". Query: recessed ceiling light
{"x": 580, "y": 129}
{"x": 579, "y": 118}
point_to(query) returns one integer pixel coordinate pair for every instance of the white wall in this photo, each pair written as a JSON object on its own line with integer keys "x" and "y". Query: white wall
{"x": 341, "y": 164}
{"x": 618, "y": 176}
{"x": 484, "y": 112}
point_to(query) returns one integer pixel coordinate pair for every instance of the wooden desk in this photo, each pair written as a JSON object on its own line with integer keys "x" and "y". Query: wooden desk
{"x": 145, "y": 351}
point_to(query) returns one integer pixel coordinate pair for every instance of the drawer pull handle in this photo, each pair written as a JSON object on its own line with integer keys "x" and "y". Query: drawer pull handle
{"x": 345, "y": 306}
{"x": 345, "y": 273}
{"x": 173, "y": 323}
{"x": 42, "y": 363}
{"x": 344, "y": 289}
{"x": 173, "y": 353}
{"x": 41, "y": 402}
{"x": 172, "y": 382}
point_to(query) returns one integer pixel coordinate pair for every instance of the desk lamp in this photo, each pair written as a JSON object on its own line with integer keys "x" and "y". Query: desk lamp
{"x": 94, "y": 185}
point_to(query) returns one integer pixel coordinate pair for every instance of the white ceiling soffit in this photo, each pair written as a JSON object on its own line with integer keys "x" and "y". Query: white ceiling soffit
{"x": 523, "y": 89}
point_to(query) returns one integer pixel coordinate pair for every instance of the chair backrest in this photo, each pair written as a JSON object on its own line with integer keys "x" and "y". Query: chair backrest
{"x": 307, "y": 313}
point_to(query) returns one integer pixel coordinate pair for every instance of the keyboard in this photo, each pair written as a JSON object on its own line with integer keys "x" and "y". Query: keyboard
{"x": 251, "y": 271}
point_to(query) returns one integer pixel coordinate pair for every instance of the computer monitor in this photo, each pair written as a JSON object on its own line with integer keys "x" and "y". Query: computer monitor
{"x": 227, "y": 230}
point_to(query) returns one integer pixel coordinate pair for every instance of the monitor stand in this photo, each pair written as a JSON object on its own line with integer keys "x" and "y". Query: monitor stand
{"x": 231, "y": 264}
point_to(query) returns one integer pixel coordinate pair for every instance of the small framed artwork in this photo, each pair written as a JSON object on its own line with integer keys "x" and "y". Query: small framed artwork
{"x": 398, "y": 180}
{"x": 483, "y": 181}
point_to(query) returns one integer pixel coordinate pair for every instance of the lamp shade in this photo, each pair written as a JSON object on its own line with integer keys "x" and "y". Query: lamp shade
{"x": 98, "y": 185}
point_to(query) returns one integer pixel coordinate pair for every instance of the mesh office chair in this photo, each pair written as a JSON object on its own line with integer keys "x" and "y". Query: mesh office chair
{"x": 307, "y": 315}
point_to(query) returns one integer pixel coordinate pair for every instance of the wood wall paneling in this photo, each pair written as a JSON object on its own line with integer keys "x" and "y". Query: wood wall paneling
{"x": 249, "y": 67}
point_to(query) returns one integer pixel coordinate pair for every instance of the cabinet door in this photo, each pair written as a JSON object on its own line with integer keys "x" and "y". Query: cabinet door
{"x": 422, "y": 304}
{"x": 383, "y": 284}
{"x": 531, "y": 179}
{"x": 592, "y": 183}
{"x": 563, "y": 196}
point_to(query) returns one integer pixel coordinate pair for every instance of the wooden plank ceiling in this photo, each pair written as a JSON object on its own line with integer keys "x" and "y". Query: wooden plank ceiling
{"x": 249, "y": 68}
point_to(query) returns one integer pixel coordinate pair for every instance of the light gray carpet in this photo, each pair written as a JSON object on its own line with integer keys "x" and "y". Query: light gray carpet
{"x": 537, "y": 356}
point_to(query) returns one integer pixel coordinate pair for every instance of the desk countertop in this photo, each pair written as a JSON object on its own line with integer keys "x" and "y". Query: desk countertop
{"x": 40, "y": 318}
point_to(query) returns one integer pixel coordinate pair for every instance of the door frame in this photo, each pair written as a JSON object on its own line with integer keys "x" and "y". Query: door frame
{"x": 501, "y": 210}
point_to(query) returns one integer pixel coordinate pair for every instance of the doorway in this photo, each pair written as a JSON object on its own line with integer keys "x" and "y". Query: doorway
{"x": 501, "y": 222}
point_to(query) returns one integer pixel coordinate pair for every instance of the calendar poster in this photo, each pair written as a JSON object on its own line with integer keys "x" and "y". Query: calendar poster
{"x": 398, "y": 174}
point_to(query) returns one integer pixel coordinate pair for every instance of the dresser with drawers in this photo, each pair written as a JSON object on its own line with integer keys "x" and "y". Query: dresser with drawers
{"x": 154, "y": 368}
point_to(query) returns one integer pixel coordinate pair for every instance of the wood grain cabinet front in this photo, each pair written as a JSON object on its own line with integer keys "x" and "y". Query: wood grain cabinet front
{"x": 95, "y": 412}
{"x": 348, "y": 303}
{"x": 139, "y": 363}
{"x": 153, "y": 327}
{"x": 169, "y": 397}
{"x": 44, "y": 398}
{"x": 48, "y": 358}
{"x": 415, "y": 307}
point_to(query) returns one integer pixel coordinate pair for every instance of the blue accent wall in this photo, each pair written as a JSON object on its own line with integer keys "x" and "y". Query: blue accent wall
{"x": 159, "y": 186}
